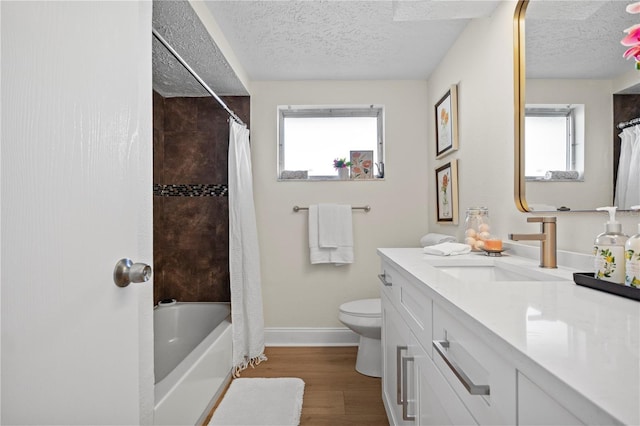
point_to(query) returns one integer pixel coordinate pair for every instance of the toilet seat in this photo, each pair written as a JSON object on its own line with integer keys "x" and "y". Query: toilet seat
{"x": 365, "y": 308}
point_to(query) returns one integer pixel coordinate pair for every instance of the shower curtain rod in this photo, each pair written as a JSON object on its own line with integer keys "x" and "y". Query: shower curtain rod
{"x": 196, "y": 76}
{"x": 629, "y": 123}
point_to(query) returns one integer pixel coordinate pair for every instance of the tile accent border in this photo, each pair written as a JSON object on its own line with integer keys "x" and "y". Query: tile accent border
{"x": 193, "y": 190}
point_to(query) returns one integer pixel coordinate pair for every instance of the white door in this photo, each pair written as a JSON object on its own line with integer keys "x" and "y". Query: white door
{"x": 76, "y": 178}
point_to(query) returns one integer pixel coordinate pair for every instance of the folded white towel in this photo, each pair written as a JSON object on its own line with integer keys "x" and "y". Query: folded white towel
{"x": 561, "y": 174}
{"x": 330, "y": 234}
{"x": 447, "y": 249}
{"x": 433, "y": 239}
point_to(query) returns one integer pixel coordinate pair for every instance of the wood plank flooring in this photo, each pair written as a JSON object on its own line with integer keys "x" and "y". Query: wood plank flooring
{"x": 335, "y": 393}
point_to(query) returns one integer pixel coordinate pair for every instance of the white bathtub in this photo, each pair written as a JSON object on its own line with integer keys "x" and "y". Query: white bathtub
{"x": 192, "y": 344}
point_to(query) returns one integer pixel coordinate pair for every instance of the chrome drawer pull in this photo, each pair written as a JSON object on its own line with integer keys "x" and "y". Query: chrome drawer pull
{"x": 442, "y": 346}
{"x": 383, "y": 277}
{"x": 405, "y": 400}
{"x": 399, "y": 350}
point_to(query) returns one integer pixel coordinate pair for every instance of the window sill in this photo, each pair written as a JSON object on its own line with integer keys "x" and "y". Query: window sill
{"x": 329, "y": 179}
{"x": 541, "y": 179}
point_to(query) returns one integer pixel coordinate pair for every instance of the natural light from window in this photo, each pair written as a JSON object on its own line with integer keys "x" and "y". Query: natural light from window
{"x": 310, "y": 139}
{"x": 546, "y": 146}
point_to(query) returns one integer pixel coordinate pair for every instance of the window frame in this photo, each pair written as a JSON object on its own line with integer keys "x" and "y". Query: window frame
{"x": 569, "y": 113}
{"x": 325, "y": 111}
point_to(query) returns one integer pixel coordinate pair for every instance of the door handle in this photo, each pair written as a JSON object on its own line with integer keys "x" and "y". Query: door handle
{"x": 405, "y": 390}
{"x": 441, "y": 347}
{"x": 399, "y": 350}
{"x": 127, "y": 272}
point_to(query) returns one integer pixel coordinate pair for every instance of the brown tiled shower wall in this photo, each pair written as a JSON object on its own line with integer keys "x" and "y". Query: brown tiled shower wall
{"x": 190, "y": 204}
{"x": 625, "y": 108}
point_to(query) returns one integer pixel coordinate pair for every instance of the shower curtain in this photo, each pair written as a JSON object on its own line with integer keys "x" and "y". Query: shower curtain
{"x": 628, "y": 181}
{"x": 244, "y": 256}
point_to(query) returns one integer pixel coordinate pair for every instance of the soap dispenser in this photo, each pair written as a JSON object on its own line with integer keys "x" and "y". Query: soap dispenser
{"x": 632, "y": 258}
{"x": 609, "y": 250}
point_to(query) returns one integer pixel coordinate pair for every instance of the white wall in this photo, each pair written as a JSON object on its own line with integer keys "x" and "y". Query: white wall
{"x": 597, "y": 188}
{"x": 296, "y": 293}
{"x": 481, "y": 61}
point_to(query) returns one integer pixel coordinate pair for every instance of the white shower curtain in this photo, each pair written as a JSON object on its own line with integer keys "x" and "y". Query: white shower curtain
{"x": 244, "y": 255}
{"x": 628, "y": 181}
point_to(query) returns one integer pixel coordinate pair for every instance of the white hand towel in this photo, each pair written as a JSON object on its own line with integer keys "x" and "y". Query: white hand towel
{"x": 331, "y": 237}
{"x": 432, "y": 239}
{"x": 447, "y": 249}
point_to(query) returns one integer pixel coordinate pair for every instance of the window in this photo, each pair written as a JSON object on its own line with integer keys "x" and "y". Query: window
{"x": 311, "y": 137}
{"x": 551, "y": 143}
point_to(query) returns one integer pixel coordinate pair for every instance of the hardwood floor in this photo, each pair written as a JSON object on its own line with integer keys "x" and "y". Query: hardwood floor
{"x": 335, "y": 393}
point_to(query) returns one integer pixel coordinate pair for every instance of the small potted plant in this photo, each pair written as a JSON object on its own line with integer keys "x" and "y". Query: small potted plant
{"x": 342, "y": 166}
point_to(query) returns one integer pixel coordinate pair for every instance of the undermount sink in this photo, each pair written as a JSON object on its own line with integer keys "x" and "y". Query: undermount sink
{"x": 495, "y": 272}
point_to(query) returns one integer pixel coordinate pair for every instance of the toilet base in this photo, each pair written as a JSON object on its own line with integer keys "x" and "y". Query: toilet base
{"x": 369, "y": 359}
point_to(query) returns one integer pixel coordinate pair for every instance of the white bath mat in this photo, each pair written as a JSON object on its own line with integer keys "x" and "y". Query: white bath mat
{"x": 261, "y": 401}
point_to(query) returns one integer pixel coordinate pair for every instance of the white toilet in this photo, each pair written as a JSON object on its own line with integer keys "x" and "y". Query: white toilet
{"x": 364, "y": 317}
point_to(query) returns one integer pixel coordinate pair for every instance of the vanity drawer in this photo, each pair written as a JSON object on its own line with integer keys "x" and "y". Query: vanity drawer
{"x": 482, "y": 379}
{"x": 411, "y": 301}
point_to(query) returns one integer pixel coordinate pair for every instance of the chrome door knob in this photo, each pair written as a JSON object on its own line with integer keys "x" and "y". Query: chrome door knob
{"x": 127, "y": 272}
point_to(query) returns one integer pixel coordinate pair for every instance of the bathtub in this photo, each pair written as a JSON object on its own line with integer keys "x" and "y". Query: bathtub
{"x": 192, "y": 354}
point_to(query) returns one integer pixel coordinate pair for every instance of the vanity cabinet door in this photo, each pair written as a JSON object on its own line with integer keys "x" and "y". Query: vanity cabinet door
{"x": 484, "y": 380}
{"x": 536, "y": 407}
{"x": 398, "y": 386}
{"x": 437, "y": 403}
{"x": 413, "y": 390}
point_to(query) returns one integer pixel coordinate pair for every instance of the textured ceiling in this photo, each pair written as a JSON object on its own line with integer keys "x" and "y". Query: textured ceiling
{"x": 179, "y": 25}
{"x": 374, "y": 39}
{"x": 577, "y": 39}
{"x": 347, "y": 40}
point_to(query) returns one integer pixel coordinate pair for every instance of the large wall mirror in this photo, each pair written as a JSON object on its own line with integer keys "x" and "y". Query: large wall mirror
{"x": 575, "y": 94}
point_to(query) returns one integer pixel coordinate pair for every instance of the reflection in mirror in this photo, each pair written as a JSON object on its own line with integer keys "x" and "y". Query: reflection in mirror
{"x": 555, "y": 142}
{"x": 574, "y": 59}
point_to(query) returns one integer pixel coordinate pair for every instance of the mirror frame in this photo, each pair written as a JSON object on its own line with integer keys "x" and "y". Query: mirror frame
{"x": 519, "y": 103}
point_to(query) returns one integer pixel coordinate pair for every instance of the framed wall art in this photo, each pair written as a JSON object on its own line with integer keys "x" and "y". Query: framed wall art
{"x": 447, "y": 123}
{"x": 361, "y": 164}
{"x": 447, "y": 193}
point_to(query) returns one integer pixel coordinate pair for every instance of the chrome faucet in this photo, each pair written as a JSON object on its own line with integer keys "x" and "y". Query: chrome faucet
{"x": 547, "y": 238}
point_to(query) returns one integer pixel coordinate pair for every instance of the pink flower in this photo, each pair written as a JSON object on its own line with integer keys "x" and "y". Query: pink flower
{"x": 634, "y": 8}
{"x": 633, "y": 36}
{"x": 632, "y": 52}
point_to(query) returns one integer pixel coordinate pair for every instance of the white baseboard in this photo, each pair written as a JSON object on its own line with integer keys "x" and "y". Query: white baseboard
{"x": 310, "y": 336}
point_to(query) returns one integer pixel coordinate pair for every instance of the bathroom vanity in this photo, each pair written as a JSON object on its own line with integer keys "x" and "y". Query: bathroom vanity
{"x": 473, "y": 339}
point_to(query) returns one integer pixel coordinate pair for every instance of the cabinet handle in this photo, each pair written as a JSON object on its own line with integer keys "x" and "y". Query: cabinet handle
{"x": 383, "y": 277}
{"x": 405, "y": 400}
{"x": 441, "y": 347}
{"x": 399, "y": 350}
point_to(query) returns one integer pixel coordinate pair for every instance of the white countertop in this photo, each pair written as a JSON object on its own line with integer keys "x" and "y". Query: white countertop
{"x": 588, "y": 339}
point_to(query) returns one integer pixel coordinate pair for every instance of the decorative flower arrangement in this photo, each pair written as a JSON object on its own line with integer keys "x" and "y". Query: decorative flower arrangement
{"x": 341, "y": 163}
{"x": 632, "y": 39}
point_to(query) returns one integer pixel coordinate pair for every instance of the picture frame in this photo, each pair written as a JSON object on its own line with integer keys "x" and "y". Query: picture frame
{"x": 446, "y": 124}
{"x": 361, "y": 165}
{"x": 447, "y": 193}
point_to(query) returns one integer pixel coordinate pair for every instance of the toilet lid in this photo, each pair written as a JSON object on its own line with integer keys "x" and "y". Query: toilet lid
{"x": 363, "y": 308}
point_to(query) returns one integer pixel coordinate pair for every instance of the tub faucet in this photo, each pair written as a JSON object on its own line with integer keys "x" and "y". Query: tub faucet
{"x": 547, "y": 238}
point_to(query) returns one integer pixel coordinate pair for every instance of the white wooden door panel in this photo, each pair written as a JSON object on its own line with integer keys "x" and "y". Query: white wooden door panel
{"x": 76, "y": 166}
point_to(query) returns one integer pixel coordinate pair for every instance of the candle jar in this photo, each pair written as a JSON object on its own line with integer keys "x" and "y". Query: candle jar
{"x": 477, "y": 227}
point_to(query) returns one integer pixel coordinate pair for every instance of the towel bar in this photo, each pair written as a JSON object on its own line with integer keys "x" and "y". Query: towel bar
{"x": 365, "y": 208}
